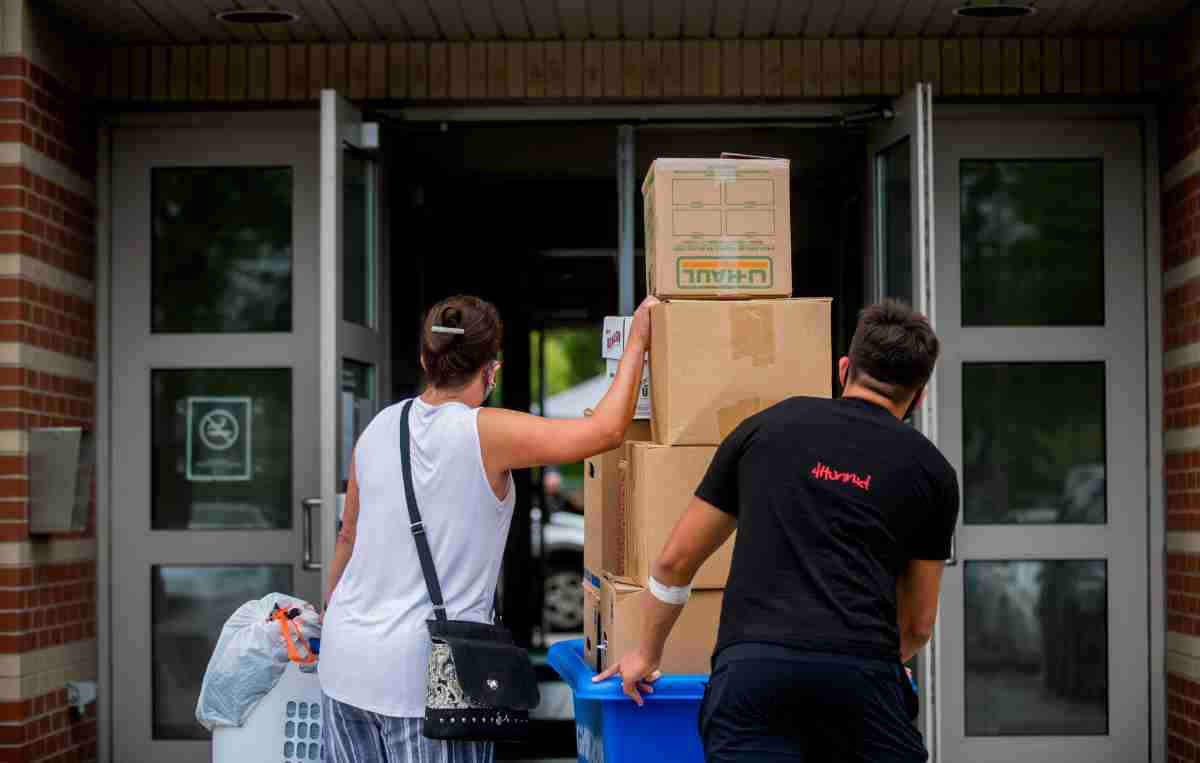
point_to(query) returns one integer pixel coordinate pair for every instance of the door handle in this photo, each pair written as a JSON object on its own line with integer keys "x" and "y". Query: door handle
{"x": 307, "y": 506}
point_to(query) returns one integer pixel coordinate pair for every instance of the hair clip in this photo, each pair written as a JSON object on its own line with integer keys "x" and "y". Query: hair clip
{"x": 448, "y": 330}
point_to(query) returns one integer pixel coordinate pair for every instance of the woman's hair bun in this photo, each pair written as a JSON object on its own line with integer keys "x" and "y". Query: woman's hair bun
{"x": 452, "y": 358}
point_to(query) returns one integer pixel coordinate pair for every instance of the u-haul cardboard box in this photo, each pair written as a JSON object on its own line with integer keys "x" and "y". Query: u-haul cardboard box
{"x": 600, "y": 482}
{"x": 718, "y": 228}
{"x": 616, "y": 331}
{"x": 656, "y": 484}
{"x": 690, "y": 646}
{"x": 714, "y": 363}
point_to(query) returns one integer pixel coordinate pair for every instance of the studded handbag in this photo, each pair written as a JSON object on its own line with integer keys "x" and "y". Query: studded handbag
{"x": 481, "y": 685}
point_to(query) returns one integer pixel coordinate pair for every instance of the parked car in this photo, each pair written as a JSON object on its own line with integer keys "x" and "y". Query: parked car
{"x": 559, "y": 543}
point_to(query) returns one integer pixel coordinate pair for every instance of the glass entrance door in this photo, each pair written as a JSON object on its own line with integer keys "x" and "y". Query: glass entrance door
{"x": 1041, "y": 307}
{"x": 353, "y": 302}
{"x": 900, "y": 156}
{"x": 214, "y": 363}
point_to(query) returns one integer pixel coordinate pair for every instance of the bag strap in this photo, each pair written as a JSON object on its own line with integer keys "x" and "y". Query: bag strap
{"x": 414, "y": 519}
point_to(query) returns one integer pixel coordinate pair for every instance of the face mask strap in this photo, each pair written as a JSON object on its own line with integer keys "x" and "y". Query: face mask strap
{"x": 490, "y": 384}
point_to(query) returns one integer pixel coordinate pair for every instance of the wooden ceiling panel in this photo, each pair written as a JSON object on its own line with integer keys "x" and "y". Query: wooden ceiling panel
{"x": 514, "y": 24}
{"x": 302, "y": 30}
{"x": 760, "y": 18}
{"x": 237, "y": 32}
{"x": 729, "y": 18}
{"x": 635, "y": 21}
{"x": 821, "y": 18}
{"x": 853, "y": 18}
{"x": 915, "y": 16}
{"x": 388, "y": 19}
{"x": 1001, "y": 27}
{"x": 323, "y": 17}
{"x": 573, "y": 18}
{"x": 697, "y": 18}
{"x": 419, "y": 20}
{"x": 1036, "y": 23}
{"x": 480, "y": 20}
{"x": 543, "y": 18}
{"x": 193, "y": 21}
{"x": 884, "y": 18}
{"x": 791, "y": 17}
{"x": 941, "y": 19}
{"x": 131, "y": 22}
{"x": 1145, "y": 16}
{"x": 360, "y": 23}
{"x": 667, "y": 18}
{"x": 176, "y": 23}
{"x": 605, "y": 17}
{"x": 1069, "y": 18}
{"x": 202, "y": 19}
{"x": 449, "y": 19}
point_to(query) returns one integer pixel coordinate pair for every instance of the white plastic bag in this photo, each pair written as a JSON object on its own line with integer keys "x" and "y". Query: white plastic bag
{"x": 249, "y": 659}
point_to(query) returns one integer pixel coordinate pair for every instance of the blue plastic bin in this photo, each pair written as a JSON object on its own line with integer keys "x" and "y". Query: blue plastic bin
{"x": 610, "y": 728}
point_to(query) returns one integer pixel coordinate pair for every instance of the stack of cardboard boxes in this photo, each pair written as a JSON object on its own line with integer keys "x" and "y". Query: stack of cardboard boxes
{"x": 726, "y": 343}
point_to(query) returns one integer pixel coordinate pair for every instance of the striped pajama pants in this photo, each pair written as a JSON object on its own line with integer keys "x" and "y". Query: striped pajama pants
{"x": 351, "y": 735}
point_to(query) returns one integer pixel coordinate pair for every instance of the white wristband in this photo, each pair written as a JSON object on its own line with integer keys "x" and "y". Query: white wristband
{"x": 670, "y": 594}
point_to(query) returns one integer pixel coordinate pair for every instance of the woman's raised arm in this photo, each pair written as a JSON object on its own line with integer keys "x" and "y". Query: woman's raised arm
{"x": 512, "y": 440}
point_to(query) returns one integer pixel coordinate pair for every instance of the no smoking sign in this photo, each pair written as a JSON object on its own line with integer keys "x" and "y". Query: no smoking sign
{"x": 218, "y": 439}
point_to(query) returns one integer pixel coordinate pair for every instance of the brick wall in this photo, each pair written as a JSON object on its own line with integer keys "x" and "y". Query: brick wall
{"x": 47, "y": 378}
{"x": 1179, "y": 147}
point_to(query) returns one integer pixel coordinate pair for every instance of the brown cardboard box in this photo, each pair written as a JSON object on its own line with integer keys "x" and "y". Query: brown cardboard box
{"x": 715, "y": 363}
{"x": 718, "y": 228}
{"x": 600, "y": 496}
{"x": 690, "y": 646}
{"x": 657, "y": 483}
{"x": 591, "y": 619}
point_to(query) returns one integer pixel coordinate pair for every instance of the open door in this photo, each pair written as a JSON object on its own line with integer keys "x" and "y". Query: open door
{"x": 900, "y": 165}
{"x": 353, "y": 304}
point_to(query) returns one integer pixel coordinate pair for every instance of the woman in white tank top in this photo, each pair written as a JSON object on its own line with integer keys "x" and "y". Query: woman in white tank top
{"x": 375, "y": 645}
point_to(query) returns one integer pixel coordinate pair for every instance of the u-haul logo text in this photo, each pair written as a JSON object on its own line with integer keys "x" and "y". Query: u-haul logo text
{"x": 727, "y": 272}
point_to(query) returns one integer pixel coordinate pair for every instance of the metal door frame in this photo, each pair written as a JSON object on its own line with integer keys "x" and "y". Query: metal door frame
{"x": 953, "y": 124}
{"x": 283, "y": 144}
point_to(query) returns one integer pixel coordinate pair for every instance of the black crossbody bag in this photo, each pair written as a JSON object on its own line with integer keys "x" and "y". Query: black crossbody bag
{"x": 481, "y": 685}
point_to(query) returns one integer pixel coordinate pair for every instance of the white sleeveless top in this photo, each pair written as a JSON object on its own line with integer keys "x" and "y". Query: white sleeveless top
{"x": 374, "y": 643}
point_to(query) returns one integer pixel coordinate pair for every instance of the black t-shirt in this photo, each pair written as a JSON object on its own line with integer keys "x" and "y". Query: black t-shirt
{"x": 832, "y": 498}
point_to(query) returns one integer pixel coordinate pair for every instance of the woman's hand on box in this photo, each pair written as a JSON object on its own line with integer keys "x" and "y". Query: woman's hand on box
{"x": 639, "y": 329}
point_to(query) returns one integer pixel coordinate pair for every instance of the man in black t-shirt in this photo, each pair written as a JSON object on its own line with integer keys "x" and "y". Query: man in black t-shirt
{"x": 844, "y": 516}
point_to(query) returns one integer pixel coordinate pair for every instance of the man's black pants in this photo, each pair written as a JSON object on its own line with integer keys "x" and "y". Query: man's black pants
{"x": 770, "y": 703}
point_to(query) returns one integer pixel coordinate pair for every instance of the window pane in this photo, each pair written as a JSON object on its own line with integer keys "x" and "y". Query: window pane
{"x": 358, "y": 408}
{"x": 358, "y": 240}
{"x": 1033, "y": 443}
{"x": 1032, "y": 243}
{"x": 894, "y": 179}
{"x": 1036, "y": 645}
{"x": 222, "y": 249}
{"x": 222, "y": 454}
{"x": 188, "y": 607}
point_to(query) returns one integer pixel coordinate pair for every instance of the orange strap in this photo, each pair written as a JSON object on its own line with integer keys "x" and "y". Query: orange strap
{"x": 287, "y": 627}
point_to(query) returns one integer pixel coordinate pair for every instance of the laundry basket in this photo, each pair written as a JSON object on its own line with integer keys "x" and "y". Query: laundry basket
{"x": 284, "y": 726}
{"x": 610, "y": 728}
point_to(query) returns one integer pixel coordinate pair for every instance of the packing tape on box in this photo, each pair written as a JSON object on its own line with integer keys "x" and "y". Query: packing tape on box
{"x": 752, "y": 334}
{"x": 730, "y": 416}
